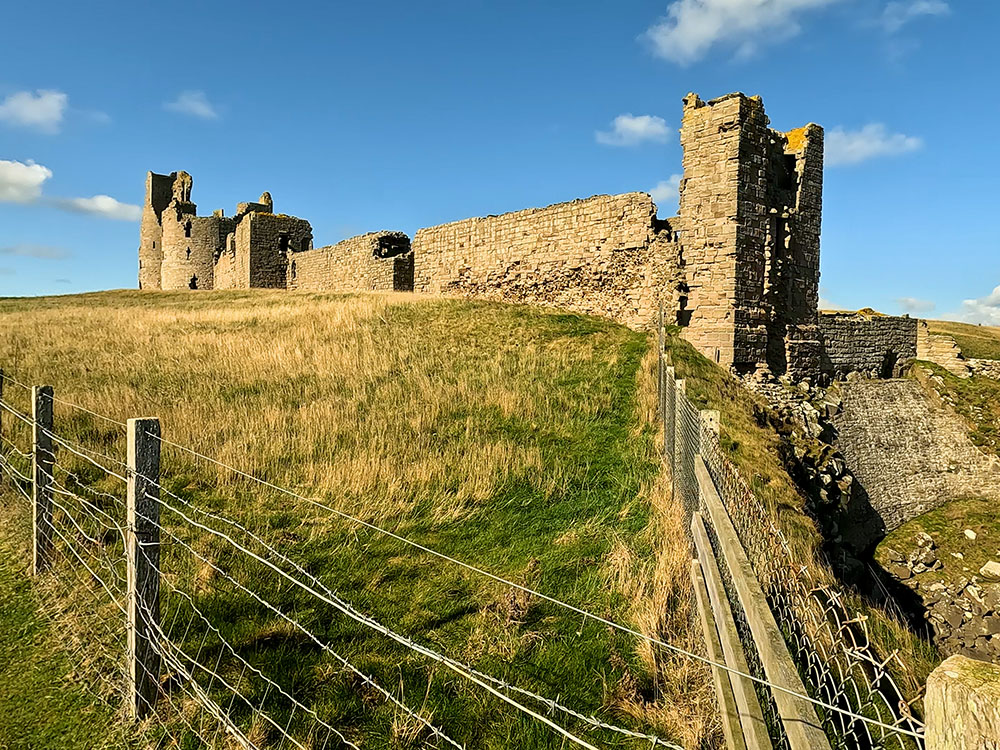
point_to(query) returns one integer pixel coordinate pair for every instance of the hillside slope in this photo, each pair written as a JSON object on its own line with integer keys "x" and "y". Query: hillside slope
{"x": 515, "y": 438}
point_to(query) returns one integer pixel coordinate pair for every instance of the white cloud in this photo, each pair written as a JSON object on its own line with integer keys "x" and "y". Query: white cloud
{"x": 692, "y": 27}
{"x": 985, "y": 310}
{"x": 29, "y": 250}
{"x": 666, "y": 190}
{"x": 631, "y": 130}
{"x": 194, "y": 103}
{"x": 897, "y": 14}
{"x": 21, "y": 182}
{"x": 914, "y": 305}
{"x": 871, "y": 141}
{"x": 42, "y": 110}
{"x": 102, "y": 205}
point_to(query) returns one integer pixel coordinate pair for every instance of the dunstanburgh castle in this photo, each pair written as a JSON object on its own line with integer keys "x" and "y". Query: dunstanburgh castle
{"x": 737, "y": 268}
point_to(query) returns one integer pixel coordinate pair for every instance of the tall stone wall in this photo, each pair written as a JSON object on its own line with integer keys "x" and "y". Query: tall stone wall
{"x": 377, "y": 261}
{"x": 606, "y": 255}
{"x": 908, "y": 453}
{"x": 232, "y": 267}
{"x": 877, "y": 345}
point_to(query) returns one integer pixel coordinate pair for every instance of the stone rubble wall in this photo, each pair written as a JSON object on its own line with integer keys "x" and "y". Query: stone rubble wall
{"x": 877, "y": 345}
{"x": 942, "y": 350}
{"x": 606, "y": 255}
{"x": 377, "y": 261}
{"x": 987, "y": 368}
{"x": 908, "y": 453}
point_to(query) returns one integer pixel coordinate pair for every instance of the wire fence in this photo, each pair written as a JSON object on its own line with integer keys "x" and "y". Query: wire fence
{"x": 857, "y": 699}
{"x": 227, "y": 594}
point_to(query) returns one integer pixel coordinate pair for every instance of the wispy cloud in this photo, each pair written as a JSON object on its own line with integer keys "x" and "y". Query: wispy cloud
{"x": 692, "y": 27}
{"x": 897, "y": 14}
{"x": 631, "y": 130}
{"x": 101, "y": 205}
{"x": 21, "y": 182}
{"x": 42, "y": 110}
{"x": 914, "y": 305}
{"x": 193, "y": 103}
{"x": 873, "y": 140}
{"x": 30, "y": 250}
{"x": 985, "y": 310}
{"x": 665, "y": 192}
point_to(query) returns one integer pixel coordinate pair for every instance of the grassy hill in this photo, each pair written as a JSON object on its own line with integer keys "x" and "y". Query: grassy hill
{"x": 519, "y": 439}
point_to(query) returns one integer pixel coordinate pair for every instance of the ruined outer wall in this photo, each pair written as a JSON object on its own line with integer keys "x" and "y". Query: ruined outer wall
{"x": 353, "y": 265}
{"x": 876, "y": 345}
{"x": 604, "y": 255}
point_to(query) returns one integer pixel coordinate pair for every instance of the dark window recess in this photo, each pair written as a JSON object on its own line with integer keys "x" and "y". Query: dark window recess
{"x": 293, "y": 269}
{"x": 154, "y": 244}
{"x": 189, "y": 254}
{"x": 683, "y": 314}
{"x": 282, "y": 243}
{"x": 193, "y": 284}
{"x": 306, "y": 242}
{"x": 187, "y": 229}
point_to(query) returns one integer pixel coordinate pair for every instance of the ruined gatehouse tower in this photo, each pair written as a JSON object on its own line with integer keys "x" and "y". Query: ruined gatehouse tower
{"x": 749, "y": 224}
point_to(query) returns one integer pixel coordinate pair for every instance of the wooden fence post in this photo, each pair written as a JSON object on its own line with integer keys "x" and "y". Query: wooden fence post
{"x": 143, "y": 563}
{"x": 43, "y": 458}
{"x": 962, "y": 705}
{"x": 1, "y": 399}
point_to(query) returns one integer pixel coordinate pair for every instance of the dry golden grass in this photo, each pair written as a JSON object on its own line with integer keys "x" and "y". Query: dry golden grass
{"x": 515, "y": 438}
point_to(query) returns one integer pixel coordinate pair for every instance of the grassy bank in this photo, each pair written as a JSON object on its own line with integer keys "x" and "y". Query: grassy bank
{"x": 976, "y": 399}
{"x": 518, "y": 439}
{"x": 756, "y": 448}
{"x": 43, "y": 703}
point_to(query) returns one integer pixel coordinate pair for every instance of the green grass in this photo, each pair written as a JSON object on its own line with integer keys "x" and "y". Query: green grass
{"x": 42, "y": 703}
{"x": 946, "y": 526}
{"x": 976, "y": 399}
{"x": 976, "y": 342}
{"x": 515, "y": 438}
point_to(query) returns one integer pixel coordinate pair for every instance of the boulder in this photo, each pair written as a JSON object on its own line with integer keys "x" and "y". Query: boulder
{"x": 990, "y": 571}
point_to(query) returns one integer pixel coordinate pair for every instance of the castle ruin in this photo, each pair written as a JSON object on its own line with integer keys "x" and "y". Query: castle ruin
{"x": 737, "y": 269}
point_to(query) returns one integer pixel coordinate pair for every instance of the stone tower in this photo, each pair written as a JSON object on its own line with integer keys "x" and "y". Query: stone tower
{"x": 161, "y": 191}
{"x": 750, "y": 208}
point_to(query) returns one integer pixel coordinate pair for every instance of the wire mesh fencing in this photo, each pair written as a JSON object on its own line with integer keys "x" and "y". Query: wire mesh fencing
{"x": 858, "y": 701}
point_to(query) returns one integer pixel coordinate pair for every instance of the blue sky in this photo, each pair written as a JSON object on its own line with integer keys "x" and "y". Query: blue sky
{"x": 394, "y": 115}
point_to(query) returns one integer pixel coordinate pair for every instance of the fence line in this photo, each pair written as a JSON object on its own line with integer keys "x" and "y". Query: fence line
{"x": 862, "y": 705}
{"x": 92, "y": 547}
{"x": 687, "y": 427}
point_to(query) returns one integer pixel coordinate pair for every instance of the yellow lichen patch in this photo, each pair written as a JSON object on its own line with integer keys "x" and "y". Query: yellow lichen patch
{"x": 796, "y": 138}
